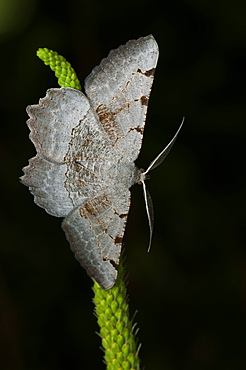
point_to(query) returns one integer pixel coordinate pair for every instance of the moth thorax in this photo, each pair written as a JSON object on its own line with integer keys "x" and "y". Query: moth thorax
{"x": 141, "y": 176}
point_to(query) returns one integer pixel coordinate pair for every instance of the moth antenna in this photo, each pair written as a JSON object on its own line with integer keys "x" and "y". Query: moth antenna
{"x": 162, "y": 155}
{"x": 150, "y": 211}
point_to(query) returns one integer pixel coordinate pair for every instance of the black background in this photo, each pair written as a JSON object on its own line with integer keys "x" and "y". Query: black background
{"x": 190, "y": 289}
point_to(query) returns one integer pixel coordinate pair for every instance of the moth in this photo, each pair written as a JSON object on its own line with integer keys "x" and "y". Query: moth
{"x": 86, "y": 148}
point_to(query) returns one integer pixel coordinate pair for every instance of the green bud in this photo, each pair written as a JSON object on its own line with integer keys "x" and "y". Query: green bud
{"x": 120, "y": 340}
{"x": 109, "y": 354}
{"x": 119, "y": 314}
{"x": 60, "y": 66}
{"x": 126, "y": 365}
{"x": 125, "y": 349}
{"x": 114, "y": 306}
{"x": 113, "y": 321}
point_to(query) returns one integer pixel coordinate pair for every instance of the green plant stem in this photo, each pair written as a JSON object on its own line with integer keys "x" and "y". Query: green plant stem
{"x": 111, "y": 307}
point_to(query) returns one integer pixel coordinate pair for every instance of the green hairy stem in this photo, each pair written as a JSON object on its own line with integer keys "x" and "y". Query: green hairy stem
{"x": 111, "y": 307}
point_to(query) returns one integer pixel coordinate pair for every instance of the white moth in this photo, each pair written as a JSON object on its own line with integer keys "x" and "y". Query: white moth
{"x": 86, "y": 147}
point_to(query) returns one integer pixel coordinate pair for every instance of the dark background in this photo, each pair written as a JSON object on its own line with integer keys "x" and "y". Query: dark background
{"x": 190, "y": 289}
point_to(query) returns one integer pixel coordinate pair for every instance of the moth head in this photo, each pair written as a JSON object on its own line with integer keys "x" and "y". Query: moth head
{"x": 141, "y": 176}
